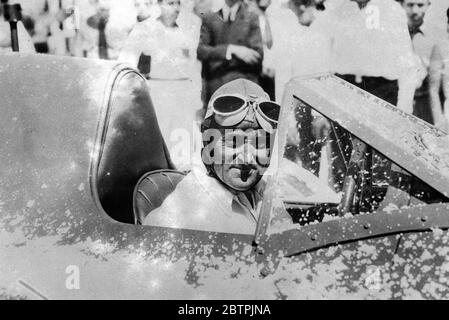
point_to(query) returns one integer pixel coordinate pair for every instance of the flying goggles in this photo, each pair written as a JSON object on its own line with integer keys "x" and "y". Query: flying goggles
{"x": 231, "y": 109}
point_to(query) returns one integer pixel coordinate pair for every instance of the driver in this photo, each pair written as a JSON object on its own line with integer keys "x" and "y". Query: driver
{"x": 224, "y": 190}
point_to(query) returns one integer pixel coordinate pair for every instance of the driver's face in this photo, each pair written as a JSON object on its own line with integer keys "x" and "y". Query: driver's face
{"x": 244, "y": 156}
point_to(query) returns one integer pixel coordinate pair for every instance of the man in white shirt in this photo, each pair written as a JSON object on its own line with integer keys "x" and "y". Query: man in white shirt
{"x": 423, "y": 44}
{"x": 371, "y": 48}
{"x": 303, "y": 51}
{"x": 439, "y": 81}
{"x": 172, "y": 77}
{"x": 266, "y": 78}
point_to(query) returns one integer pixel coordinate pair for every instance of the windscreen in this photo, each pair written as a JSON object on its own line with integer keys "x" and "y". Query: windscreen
{"x": 324, "y": 171}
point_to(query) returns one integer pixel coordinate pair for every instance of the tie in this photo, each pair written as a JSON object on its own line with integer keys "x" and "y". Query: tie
{"x": 102, "y": 43}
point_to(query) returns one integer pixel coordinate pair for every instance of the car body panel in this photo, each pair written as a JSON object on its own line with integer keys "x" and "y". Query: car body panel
{"x": 52, "y": 222}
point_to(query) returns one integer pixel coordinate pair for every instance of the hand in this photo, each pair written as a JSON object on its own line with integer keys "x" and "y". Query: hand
{"x": 268, "y": 72}
{"x": 247, "y": 55}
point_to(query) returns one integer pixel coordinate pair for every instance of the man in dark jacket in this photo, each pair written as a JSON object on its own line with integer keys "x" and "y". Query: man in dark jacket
{"x": 230, "y": 46}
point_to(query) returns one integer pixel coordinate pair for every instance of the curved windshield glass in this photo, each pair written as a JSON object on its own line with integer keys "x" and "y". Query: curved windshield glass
{"x": 325, "y": 172}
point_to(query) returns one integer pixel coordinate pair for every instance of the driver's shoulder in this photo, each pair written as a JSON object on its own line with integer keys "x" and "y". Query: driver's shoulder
{"x": 183, "y": 204}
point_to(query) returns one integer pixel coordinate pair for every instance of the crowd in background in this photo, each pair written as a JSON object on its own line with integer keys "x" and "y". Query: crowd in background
{"x": 397, "y": 50}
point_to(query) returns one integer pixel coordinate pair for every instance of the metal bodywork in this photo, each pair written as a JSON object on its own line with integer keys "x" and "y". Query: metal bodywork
{"x": 64, "y": 135}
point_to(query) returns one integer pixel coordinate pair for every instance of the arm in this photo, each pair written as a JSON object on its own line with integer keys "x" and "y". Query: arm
{"x": 410, "y": 70}
{"x": 229, "y": 53}
{"x": 407, "y": 87}
{"x": 255, "y": 36}
{"x": 410, "y": 78}
{"x": 250, "y": 54}
{"x": 435, "y": 81}
{"x": 268, "y": 33}
{"x": 206, "y": 48}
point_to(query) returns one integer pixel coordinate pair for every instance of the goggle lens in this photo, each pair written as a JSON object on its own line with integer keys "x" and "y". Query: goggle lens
{"x": 228, "y": 104}
{"x": 270, "y": 110}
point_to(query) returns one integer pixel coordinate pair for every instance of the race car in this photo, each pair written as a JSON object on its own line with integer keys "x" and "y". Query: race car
{"x": 78, "y": 135}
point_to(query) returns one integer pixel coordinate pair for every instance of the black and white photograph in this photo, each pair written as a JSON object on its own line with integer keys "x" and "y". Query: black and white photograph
{"x": 224, "y": 150}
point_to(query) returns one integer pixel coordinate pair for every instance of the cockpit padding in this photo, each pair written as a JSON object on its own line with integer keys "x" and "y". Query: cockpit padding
{"x": 151, "y": 191}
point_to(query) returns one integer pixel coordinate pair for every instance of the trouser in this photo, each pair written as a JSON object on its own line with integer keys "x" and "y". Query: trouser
{"x": 421, "y": 103}
{"x": 267, "y": 84}
{"x": 421, "y": 108}
{"x": 380, "y": 87}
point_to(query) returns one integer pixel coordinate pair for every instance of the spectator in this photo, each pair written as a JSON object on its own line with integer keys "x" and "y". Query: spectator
{"x": 145, "y": 10}
{"x": 439, "y": 81}
{"x": 305, "y": 11}
{"x": 107, "y": 28}
{"x": 423, "y": 45}
{"x": 174, "y": 94}
{"x": 55, "y": 16}
{"x": 309, "y": 53}
{"x": 230, "y": 46}
{"x": 42, "y": 28}
{"x": 98, "y": 22}
{"x": 303, "y": 50}
{"x": 371, "y": 48}
{"x": 283, "y": 23}
{"x": 310, "y": 48}
{"x": 46, "y": 25}
{"x": 266, "y": 78}
{"x": 189, "y": 20}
